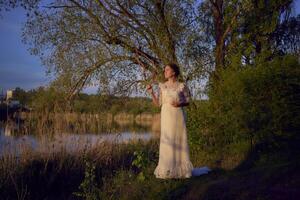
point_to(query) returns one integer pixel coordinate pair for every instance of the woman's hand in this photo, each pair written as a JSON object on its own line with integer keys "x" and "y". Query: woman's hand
{"x": 149, "y": 88}
{"x": 155, "y": 99}
{"x": 176, "y": 104}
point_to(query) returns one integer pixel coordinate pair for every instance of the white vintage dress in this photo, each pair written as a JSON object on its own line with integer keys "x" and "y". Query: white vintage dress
{"x": 174, "y": 160}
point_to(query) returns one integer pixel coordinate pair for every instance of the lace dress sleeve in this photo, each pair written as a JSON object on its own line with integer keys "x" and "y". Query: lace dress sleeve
{"x": 186, "y": 94}
{"x": 160, "y": 94}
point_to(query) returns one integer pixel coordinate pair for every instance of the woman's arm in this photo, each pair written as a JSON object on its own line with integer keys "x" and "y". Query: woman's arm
{"x": 180, "y": 104}
{"x": 186, "y": 96}
{"x": 155, "y": 99}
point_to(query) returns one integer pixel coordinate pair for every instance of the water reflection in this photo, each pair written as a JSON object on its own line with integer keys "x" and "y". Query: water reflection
{"x": 11, "y": 143}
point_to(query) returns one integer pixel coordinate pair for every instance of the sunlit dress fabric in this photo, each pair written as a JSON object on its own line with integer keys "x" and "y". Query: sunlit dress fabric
{"x": 174, "y": 160}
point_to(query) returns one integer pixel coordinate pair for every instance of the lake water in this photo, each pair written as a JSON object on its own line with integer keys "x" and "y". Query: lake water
{"x": 13, "y": 143}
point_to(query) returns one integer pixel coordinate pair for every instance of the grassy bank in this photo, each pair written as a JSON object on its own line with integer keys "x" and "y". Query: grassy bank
{"x": 125, "y": 171}
{"x": 58, "y": 174}
{"x": 267, "y": 172}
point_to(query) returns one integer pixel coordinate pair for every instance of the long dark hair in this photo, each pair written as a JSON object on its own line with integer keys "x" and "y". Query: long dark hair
{"x": 175, "y": 68}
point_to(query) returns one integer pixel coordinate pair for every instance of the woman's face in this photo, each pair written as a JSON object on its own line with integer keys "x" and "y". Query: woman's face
{"x": 168, "y": 72}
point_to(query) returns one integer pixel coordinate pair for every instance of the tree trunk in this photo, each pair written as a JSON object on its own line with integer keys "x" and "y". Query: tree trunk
{"x": 217, "y": 8}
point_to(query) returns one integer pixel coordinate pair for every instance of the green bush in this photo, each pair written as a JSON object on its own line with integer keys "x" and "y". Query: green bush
{"x": 88, "y": 187}
{"x": 253, "y": 103}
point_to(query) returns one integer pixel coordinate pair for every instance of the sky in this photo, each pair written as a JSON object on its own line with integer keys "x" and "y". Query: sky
{"x": 17, "y": 67}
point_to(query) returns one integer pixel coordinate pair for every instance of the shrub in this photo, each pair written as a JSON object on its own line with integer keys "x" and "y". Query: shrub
{"x": 253, "y": 103}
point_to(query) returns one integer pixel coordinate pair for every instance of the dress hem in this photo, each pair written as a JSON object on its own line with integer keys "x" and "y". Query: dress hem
{"x": 183, "y": 171}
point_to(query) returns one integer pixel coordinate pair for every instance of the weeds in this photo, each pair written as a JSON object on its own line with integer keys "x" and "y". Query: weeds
{"x": 89, "y": 188}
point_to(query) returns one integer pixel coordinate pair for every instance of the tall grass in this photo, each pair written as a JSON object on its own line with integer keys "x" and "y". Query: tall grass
{"x": 59, "y": 173}
{"x": 44, "y": 123}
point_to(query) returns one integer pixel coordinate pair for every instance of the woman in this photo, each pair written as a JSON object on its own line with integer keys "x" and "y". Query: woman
{"x": 174, "y": 160}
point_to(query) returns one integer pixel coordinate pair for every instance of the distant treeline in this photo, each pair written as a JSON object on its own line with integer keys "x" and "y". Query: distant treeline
{"x": 50, "y": 100}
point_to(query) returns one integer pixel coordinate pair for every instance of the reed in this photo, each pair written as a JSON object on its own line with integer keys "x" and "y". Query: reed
{"x": 44, "y": 123}
{"x": 37, "y": 173}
